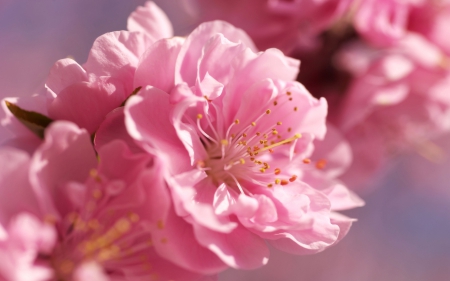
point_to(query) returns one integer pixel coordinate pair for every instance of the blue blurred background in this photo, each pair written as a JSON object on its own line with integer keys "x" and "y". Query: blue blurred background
{"x": 403, "y": 232}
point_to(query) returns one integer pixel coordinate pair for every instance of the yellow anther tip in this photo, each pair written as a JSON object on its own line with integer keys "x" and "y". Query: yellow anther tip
{"x": 199, "y": 116}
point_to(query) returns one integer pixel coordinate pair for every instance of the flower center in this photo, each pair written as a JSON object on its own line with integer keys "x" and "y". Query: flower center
{"x": 99, "y": 235}
{"x": 244, "y": 152}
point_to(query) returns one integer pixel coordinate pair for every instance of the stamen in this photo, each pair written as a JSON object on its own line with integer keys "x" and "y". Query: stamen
{"x": 279, "y": 123}
{"x": 293, "y": 178}
{"x": 277, "y": 171}
{"x": 203, "y": 132}
{"x": 296, "y": 136}
{"x": 306, "y": 160}
{"x": 284, "y": 182}
{"x": 268, "y": 111}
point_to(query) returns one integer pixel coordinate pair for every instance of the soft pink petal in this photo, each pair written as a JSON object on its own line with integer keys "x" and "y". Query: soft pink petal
{"x": 151, "y": 20}
{"x": 192, "y": 48}
{"x": 66, "y": 155}
{"x": 157, "y": 65}
{"x": 16, "y": 194}
{"x": 64, "y": 73}
{"x": 147, "y": 121}
{"x": 116, "y": 161}
{"x": 86, "y": 103}
{"x": 117, "y": 54}
{"x": 113, "y": 128}
{"x": 173, "y": 237}
{"x": 239, "y": 249}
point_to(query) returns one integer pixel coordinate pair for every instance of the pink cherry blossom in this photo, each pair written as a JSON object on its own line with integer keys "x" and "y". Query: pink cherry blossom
{"x": 274, "y": 23}
{"x": 70, "y": 218}
{"x": 396, "y": 102}
{"x": 85, "y": 94}
{"x": 235, "y": 139}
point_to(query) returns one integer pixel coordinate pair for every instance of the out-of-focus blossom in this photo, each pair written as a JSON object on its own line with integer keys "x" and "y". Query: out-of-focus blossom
{"x": 69, "y": 218}
{"x": 236, "y": 139}
{"x": 398, "y": 100}
{"x": 274, "y": 23}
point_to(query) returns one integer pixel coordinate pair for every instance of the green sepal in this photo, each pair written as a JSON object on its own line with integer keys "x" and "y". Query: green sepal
{"x": 34, "y": 121}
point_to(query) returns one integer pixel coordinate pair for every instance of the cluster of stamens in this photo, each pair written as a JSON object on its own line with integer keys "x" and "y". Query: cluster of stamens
{"x": 104, "y": 239}
{"x": 234, "y": 157}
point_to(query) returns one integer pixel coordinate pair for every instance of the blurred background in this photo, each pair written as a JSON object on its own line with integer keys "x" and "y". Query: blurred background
{"x": 403, "y": 232}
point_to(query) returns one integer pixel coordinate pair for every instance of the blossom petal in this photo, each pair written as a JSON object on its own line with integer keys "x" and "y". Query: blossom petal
{"x": 157, "y": 65}
{"x": 147, "y": 121}
{"x": 239, "y": 249}
{"x": 192, "y": 48}
{"x": 151, "y": 20}
{"x": 66, "y": 155}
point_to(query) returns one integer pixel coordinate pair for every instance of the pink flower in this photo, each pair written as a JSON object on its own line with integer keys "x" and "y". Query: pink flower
{"x": 69, "y": 218}
{"x": 86, "y": 94}
{"x": 236, "y": 139}
{"x": 274, "y": 23}
{"x": 398, "y": 101}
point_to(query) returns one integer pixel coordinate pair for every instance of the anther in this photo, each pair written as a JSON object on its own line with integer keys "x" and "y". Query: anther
{"x": 244, "y": 135}
{"x": 97, "y": 193}
{"x": 284, "y": 182}
{"x": 296, "y": 136}
{"x": 269, "y": 185}
{"x": 288, "y": 93}
{"x": 199, "y": 116}
{"x": 242, "y": 161}
{"x": 224, "y": 142}
{"x": 295, "y": 108}
{"x": 253, "y": 124}
{"x": 201, "y": 164}
{"x": 236, "y": 121}
{"x": 277, "y": 181}
{"x": 262, "y": 170}
{"x": 277, "y": 171}
{"x": 268, "y": 111}
{"x": 306, "y": 160}
{"x": 279, "y": 123}
{"x": 290, "y": 99}
{"x": 293, "y": 178}
{"x": 321, "y": 164}
{"x": 289, "y": 129}
{"x": 275, "y": 103}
